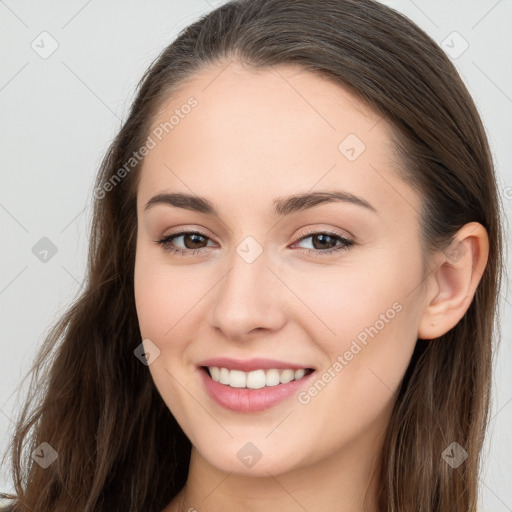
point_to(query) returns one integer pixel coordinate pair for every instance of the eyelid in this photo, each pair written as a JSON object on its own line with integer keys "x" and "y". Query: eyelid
{"x": 183, "y": 230}
{"x": 348, "y": 237}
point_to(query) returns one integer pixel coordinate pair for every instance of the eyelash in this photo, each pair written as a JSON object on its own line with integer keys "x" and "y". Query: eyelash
{"x": 345, "y": 243}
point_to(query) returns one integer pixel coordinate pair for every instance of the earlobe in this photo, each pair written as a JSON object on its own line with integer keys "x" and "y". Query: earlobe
{"x": 458, "y": 270}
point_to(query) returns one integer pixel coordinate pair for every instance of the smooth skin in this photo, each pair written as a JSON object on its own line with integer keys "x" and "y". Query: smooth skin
{"x": 253, "y": 137}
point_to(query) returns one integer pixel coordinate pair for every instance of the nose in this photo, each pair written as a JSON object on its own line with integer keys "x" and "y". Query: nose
{"x": 250, "y": 298}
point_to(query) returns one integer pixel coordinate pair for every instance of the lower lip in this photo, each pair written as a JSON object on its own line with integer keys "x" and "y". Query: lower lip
{"x": 250, "y": 400}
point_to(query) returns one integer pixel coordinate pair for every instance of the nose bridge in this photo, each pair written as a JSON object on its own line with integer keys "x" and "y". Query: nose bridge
{"x": 248, "y": 297}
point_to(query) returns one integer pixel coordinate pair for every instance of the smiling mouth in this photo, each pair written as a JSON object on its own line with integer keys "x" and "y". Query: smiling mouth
{"x": 256, "y": 379}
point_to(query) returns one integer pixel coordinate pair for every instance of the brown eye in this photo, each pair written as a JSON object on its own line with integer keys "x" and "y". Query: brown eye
{"x": 325, "y": 243}
{"x": 192, "y": 241}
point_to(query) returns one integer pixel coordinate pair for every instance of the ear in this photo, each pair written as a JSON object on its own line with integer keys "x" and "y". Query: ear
{"x": 452, "y": 285}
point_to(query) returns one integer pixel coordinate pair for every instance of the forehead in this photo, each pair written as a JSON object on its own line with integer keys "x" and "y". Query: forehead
{"x": 270, "y": 131}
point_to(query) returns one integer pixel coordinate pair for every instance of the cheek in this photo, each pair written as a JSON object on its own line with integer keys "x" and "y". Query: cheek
{"x": 355, "y": 390}
{"x": 162, "y": 303}
{"x": 149, "y": 294}
{"x": 366, "y": 324}
{"x": 163, "y": 296}
{"x": 343, "y": 303}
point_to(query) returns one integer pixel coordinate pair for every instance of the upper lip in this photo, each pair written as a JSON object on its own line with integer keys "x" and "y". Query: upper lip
{"x": 249, "y": 365}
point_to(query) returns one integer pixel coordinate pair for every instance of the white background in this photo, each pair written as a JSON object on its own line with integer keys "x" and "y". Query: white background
{"x": 59, "y": 114}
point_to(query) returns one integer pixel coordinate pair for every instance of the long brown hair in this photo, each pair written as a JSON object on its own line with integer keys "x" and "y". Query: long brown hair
{"x": 94, "y": 403}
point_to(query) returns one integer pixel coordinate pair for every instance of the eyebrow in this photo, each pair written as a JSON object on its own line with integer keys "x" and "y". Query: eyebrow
{"x": 281, "y": 206}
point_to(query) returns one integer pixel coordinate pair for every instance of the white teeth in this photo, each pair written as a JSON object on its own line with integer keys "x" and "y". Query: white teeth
{"x": 237, "y": 379}
{"x": 215, "y": 373}
{"x": 299, "y": 374}
{"x": 224, "y": 376}
{"x": 272, "y": 377}
{"x": 256, "y": 379}
{"x": 286, "y": 376}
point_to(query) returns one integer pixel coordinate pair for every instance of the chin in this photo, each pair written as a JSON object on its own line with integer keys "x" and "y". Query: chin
{"x": 246, "y": 458}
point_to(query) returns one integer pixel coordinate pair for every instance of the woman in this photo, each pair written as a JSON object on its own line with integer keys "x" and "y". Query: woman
{"x": 217, "y": 362}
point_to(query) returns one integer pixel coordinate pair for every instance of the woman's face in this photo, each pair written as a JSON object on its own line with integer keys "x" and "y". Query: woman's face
{"x": 276, "y": 283}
